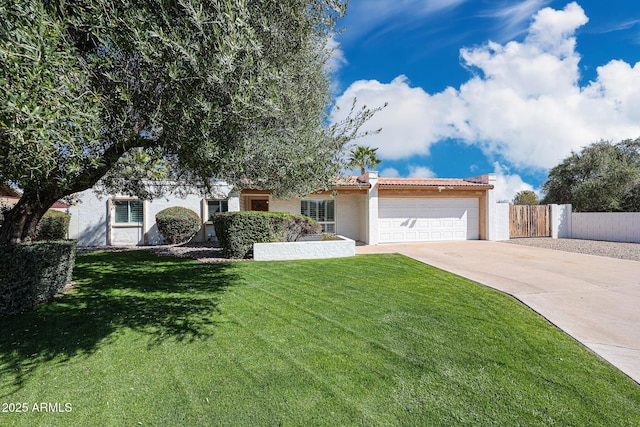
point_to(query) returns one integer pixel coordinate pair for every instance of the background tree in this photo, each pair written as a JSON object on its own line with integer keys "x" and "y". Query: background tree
{"x": 525, "y": 197}
{"x": 603, "y": 177}
{"x": 194, "y": 89}
{"x": 363, "y": 157}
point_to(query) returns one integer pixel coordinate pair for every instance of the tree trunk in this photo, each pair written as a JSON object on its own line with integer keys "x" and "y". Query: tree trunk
{"x": 20, "y": 222}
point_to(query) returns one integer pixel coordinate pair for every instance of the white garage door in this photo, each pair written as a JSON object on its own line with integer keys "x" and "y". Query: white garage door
{"x": 419, "y": 220}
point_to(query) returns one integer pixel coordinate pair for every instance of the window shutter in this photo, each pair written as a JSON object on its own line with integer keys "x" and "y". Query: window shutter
{"x": 136, "y": 211}
{"x": 322, "y": 210}
{"x": 122, "y": 212}
{"x": 330, "y": 211}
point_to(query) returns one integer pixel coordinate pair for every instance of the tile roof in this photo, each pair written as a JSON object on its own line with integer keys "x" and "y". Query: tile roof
{"x": 431, "y": 182}
{"x": 362, "y": 181}
{"x": 352, "y": 181}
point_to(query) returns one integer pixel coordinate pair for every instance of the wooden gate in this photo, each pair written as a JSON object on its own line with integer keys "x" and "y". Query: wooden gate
{"x": 529, "y": 221}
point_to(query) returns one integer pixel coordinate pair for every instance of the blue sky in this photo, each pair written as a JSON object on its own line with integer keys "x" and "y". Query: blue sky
{"x": 477, "y": 86}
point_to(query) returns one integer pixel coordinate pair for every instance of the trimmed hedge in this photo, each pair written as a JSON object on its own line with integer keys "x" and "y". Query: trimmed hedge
{"x": 54, "y": 225}
{"x": 238, "y": 231}
{"x": 34, "y": 272}
{"x": 177, "y": 224}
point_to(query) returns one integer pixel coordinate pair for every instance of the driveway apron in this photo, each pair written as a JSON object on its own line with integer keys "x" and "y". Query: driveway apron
{"x": 594, "y": 299}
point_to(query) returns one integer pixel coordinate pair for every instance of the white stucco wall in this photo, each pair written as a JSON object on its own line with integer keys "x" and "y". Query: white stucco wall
{"x": 122, "y": 235}
{"x": 371, "y": 214}
{"x": 90, "y": 218}
{"x": 500, "y": 220}
{"x": 234, "y": 201}
{"x": 610, "y": 226}
{"x": 350, "y": 210}
{"x": 561, "y": 221}
{"x": 291, "y": 205}
{"x": 495, "y": 219}
{"x": 304, "y": 250}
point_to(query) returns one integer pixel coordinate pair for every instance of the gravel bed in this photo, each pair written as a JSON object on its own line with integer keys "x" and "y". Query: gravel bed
{"x": 630, "y": 251}
{"x": 203, "y": 252}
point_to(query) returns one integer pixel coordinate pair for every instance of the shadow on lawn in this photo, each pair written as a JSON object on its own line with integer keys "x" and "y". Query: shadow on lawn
{"x": 165, "y": 298}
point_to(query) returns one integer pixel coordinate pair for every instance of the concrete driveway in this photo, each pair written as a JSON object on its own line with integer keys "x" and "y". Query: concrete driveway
{"x": 594, "y": 299}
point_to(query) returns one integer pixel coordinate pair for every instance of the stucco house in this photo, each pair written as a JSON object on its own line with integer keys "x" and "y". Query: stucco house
{"x": 369, "y": 209}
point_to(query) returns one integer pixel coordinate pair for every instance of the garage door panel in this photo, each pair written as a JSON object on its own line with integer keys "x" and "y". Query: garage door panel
{"x": 410, "y": 220}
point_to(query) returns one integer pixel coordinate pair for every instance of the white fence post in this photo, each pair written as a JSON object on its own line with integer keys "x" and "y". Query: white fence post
{"x": 561, "y": 221}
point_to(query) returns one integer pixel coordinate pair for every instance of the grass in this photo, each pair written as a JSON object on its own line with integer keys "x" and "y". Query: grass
{"x": 372, "y": 340}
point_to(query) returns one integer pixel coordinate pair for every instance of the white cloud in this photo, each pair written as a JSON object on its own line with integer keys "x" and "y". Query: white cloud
{"x": 431, "y": 6}
{"x": 376, "y": 17}
{"x": 524, "y": 104}
{"x": 390, "y": 173}
{"x": 616, "y": 26}
{"x": 513, "y": 18}
{"x": 507, "y": 184}
{"x": 409, "y": 126}
{"x": 415, "y": 171}
{"x": 420, "y": 172}
{"x": 337, "y": 58}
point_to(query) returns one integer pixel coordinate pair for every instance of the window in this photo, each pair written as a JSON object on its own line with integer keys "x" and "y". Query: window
{"x": 128, "y": 211}
{"x": 322, "y": 210}
{"x": 216, "y": 205}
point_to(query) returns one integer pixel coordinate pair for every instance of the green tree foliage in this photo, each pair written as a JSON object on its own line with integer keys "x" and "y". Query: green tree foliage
{"x": 603, "y": 177}
{"x": 525, "y": 197}
{"x": 190, "y": 89}
{"x": 363, "y": 157}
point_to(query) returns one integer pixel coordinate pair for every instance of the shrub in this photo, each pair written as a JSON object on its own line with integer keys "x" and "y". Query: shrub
{"x": 325, "y": 237}
{"x": 33, "y": 273}
{"x": 54, "y": 225}
{"x": 288, "y": 227}
{"x": 238, "y": 231}
{"x": 177, "y": 224}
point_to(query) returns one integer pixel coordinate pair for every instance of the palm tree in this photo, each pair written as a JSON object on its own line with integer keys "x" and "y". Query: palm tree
{"x": 363, "y": 157}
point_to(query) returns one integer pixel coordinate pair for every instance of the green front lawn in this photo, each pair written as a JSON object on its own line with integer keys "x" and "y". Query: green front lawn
{"x": 372, "y": 340}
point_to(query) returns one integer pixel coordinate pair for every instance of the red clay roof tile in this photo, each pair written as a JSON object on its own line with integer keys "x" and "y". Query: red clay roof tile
{"x": 430, "y": 182}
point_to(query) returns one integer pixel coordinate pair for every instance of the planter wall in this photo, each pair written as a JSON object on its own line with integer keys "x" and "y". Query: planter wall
{"x": 304, "y": 250}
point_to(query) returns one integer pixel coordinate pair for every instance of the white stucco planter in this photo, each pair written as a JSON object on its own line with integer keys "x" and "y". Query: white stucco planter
{"x": 304, "y": 250}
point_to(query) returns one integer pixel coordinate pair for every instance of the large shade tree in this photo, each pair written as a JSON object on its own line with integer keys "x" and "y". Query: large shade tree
{"x": 602, "y": 177}
{"x": 191, "y": 90}
{"x": 525, "y": 197}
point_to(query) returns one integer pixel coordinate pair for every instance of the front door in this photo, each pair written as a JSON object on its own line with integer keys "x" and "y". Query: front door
{"x": 260, "y": 205}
